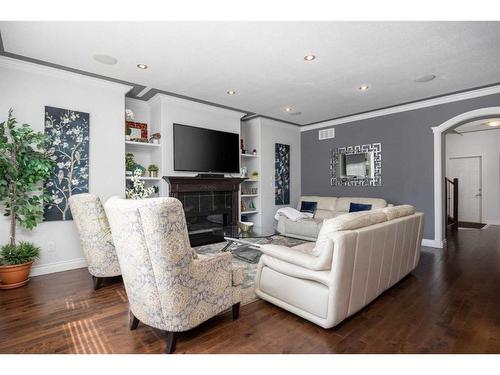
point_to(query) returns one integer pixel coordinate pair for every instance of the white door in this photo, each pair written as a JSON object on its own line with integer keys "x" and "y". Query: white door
{"x": 468, "y": 172}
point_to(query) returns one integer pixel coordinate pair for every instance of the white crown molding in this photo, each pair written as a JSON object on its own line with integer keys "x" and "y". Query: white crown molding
{"x": 11, "y": 63}
{"x": 406, "y": 107}
{"x": 169, "y": 99}
{"x": 278, "y": 123}
{"x": 65, "y": 265}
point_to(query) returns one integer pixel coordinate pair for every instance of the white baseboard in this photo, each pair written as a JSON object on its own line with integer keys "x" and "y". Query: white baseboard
{"x": 433, "y": 243}
{"x": 64, "y": 265}
{"x": 493, "y": 222}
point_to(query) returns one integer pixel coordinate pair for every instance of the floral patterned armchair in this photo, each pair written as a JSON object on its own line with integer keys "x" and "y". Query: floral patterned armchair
{"x": 168, "y": 286}
{"x": 95, "y": 236}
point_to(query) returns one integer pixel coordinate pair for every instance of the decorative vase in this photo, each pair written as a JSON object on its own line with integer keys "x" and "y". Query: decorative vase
{"x": 153, "y": 173}
{"x": 14, "y": 276}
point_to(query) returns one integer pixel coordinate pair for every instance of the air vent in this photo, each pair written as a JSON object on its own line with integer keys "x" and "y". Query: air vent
{"x": 326, "y": 134}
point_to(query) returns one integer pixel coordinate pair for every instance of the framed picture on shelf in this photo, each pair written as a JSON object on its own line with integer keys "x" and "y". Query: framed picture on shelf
{"x": 136, "y": 131}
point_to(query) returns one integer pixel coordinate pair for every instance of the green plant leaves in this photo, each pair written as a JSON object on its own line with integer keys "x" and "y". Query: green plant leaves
{"x": 24, "y": 165}
{"x": 18, "y": 254}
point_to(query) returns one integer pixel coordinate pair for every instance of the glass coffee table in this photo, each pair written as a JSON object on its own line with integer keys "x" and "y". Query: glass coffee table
{"x": 240, "y": 245}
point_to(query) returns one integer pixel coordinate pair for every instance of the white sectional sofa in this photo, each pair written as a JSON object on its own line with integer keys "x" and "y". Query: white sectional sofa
{"x": 327, "y": 208}
{"x": 356, "y": 257}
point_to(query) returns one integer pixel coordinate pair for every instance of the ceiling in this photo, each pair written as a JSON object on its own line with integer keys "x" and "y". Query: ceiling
{"x": 478, "y": 125}
{"x": 264, "y": 61}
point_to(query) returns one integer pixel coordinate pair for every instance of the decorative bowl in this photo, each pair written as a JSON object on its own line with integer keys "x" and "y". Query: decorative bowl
{"x": 245, "y": 226}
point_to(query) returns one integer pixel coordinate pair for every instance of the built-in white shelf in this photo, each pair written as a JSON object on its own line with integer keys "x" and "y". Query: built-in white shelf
{"x": 249, "y": 195}
{"x": 249, "y": 212}
{"x": 250, "y": 180}
{"x": 249, "y": 156}
{"x": 142, "y": 144}
{"x": 145, "y": 178}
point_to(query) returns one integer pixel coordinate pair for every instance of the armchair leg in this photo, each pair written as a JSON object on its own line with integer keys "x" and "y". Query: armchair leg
{"x": 236, "y": 311}
{"x": 170, "y": 342}
{"x": 133, "y": 322}
{"x": 97, "y": 282}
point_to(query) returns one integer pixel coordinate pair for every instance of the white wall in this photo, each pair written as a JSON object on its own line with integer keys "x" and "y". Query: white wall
{"x": 487, "y": 145}
{"x": 167, "y": 110}
{"x": 28, "y": 88}
{"x": 278, "y": 132}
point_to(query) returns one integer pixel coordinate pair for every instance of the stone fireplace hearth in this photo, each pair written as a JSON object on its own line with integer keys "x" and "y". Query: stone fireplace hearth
{"x": 209, "y": 205}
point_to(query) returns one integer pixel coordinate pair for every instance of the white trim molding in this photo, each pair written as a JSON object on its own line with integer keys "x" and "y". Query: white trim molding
{"x": 169, "y": 99}
{"x": 433, "y": 243}
{"x": 11, "y": 63}
{"x": 65, "y": 265}
{"x": 406, "y": 107}
{"x": 438, "y": 131}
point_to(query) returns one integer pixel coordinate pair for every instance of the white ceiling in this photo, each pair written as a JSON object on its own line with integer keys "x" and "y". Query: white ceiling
{"x": 478, "y": 125}
{"x": 264, "y": 62}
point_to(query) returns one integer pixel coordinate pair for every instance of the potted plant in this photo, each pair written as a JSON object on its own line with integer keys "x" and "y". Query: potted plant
{"x": 24, "y": 165}
{"x": 155, "y": 138}
{"x": 137, "y": 189}
{"x": 131, "y": 166}
{"x": 15, "y": 264}
{"x": 153, "y": 170}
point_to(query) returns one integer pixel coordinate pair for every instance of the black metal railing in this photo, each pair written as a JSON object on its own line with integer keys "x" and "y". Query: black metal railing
{"x": 451, "y": 202}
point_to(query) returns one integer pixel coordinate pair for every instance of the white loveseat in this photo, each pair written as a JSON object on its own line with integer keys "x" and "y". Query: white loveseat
{"x": 355, "y": 258}
{"x": 327, "y": 208}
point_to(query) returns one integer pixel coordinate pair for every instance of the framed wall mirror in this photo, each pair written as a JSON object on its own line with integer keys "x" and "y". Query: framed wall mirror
{"x": 356, "y": 165}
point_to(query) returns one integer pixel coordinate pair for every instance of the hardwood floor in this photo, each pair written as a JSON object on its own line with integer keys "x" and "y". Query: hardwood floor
{"x": 449, "y": 304}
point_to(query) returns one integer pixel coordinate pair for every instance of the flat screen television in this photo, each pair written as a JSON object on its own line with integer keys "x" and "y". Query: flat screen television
{"x": 205, "y": 150}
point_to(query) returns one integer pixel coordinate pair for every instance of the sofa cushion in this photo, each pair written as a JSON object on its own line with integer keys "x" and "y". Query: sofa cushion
{"x": 304, "y": 227}
{"x": 324, "y": 203}
{"x": 357, "y": 207}
{"x": 343, "y": 204}
{"x": 399, "y": 211}
{"x": 325, "y": 214}
{"x": 349, "y": 221}
{"x": 355, "y": 220}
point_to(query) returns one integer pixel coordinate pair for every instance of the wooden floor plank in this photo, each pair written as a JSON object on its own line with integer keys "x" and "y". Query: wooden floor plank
{"x": 449, "y": 304}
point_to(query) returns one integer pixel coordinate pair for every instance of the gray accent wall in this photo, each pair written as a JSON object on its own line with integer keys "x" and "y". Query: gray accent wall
{"x": 407, "y": 155}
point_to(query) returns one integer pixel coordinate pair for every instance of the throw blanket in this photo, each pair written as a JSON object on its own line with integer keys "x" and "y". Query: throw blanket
{"x": 290, "y": 213}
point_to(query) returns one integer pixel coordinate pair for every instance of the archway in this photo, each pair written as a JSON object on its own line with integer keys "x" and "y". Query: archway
{"x": 439, "y": 214}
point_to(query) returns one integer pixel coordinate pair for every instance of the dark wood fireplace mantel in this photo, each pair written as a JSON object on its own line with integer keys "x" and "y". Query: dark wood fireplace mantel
{"x": 190, "y": 184}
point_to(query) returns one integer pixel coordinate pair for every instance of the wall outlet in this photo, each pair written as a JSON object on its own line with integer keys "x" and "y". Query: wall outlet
{"x": 51, "y": 247}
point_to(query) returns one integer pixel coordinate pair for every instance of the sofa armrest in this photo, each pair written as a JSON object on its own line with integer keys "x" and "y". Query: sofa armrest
{"x": 299, "y": 258}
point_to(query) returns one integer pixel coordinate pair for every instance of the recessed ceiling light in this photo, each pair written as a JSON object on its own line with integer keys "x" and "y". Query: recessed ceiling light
{"x": 105, "y": 59}
{"x": 363, "y": 87}
{"x": 309, "y": 57}
{"x": 142, "y": 66}
{"x": 288, "y": 109}
{"x": 493, "y": 123}
{"x": 231, "y": 92}
{"x": 425, "y": 78}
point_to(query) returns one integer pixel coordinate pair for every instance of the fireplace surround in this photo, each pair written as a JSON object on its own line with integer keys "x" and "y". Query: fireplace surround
{"x": 209, "y": 205}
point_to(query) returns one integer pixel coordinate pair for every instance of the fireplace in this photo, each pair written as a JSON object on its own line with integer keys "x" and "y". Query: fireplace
{"x": 209, "y": 204}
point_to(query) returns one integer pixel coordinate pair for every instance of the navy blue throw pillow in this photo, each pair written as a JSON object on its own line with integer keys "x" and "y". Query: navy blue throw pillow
{"x": 308, "y": 207}
{"x": 356, "y": 207}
